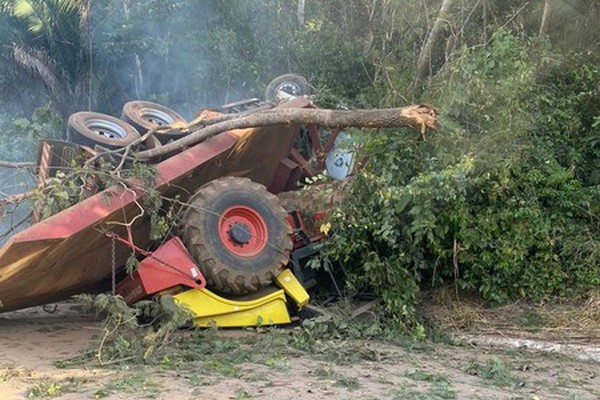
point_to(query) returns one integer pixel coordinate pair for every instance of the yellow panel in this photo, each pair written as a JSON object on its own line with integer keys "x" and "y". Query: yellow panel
{"x": 272, "y": 313}
{"x": 210, "y": 309}
{"x": 292, "y": 287}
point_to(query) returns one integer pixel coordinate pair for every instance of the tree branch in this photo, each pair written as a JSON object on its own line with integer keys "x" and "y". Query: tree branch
{"x": 16, "y": 165}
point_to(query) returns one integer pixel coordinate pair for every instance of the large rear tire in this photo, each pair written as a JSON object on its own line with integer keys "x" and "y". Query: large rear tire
{"x": 315, "y": 203}
{"x": 238, "y": 234}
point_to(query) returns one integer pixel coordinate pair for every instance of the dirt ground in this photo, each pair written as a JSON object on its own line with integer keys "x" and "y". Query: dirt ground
{"x": 35, "y": 343}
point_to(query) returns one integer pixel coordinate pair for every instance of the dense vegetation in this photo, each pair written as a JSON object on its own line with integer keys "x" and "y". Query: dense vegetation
{"x": 504, "y": 199}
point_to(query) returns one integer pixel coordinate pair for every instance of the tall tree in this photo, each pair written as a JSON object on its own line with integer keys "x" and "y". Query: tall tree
{"x": 436, "y": 33}
{"x": 548, "y": 9}
{"x": 301, "y": 9}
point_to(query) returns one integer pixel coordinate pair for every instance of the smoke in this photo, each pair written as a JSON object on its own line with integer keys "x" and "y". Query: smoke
{"x": 574, "y": 25}
{"x": 184, "y": 54}
{"x": 150, "y": 50}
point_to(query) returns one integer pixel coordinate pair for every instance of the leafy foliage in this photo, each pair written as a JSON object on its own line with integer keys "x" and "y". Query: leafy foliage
{"x": 496, "y": 201}
{"x": 86, "y": 177}
{"x": 48, "y": 41}
{"x": 495, "y": 371}
{"x": 122, "y": 337}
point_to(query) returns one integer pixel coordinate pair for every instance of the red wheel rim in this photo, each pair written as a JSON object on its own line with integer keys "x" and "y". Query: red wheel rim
{"x": 243, "y": 231}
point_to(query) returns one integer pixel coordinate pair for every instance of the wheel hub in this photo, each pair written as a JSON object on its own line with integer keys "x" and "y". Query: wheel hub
{"x": 243, "y": 231}
{"x": 156, "y": 117}
{"x": 240, "y": 233}
{"x": 106, "y": 128}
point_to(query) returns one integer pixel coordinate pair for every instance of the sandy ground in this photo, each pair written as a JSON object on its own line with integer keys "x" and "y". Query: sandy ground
{"x": 34, "y": 343}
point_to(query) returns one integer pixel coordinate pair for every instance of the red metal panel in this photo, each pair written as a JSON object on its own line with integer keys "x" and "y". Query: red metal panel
{"x": 315, "y": 140}
{"x": 286, "y": 175}
{"x": 96, "y": 209}
{"x": 300, "y": 160}
{"x": 328, "y": 147}
{"x": 169, "y": 266}
{"x": 66, "y": 254}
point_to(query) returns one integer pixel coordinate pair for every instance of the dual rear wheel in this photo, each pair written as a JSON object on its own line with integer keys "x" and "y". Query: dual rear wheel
{"x": 137, "y": 118}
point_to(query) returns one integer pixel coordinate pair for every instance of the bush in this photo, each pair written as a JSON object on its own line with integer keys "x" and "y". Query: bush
{"x": 490, "y": 202}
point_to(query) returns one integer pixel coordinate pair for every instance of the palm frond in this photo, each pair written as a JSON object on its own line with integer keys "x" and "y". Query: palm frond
{"x": 39, "y": 63}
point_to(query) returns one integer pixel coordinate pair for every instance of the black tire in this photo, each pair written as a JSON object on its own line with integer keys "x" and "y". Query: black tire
{"x": 91, "y": 129}
{"x": 145, "y": 115}
{"x": 290, "y": 84}
{"x": 151, "y": 143}
{"x": 310, "y": 201}
{"x": 218, "y": 244}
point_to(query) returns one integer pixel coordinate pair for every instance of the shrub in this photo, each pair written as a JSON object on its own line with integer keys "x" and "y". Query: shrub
{"x": 490, "y": 202}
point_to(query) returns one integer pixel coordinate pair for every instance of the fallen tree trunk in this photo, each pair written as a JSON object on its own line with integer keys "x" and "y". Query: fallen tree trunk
{"x": 415, "y": 116}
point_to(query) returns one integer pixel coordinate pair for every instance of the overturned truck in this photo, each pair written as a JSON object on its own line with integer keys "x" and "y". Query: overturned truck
{"x": 234, "y": 258}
